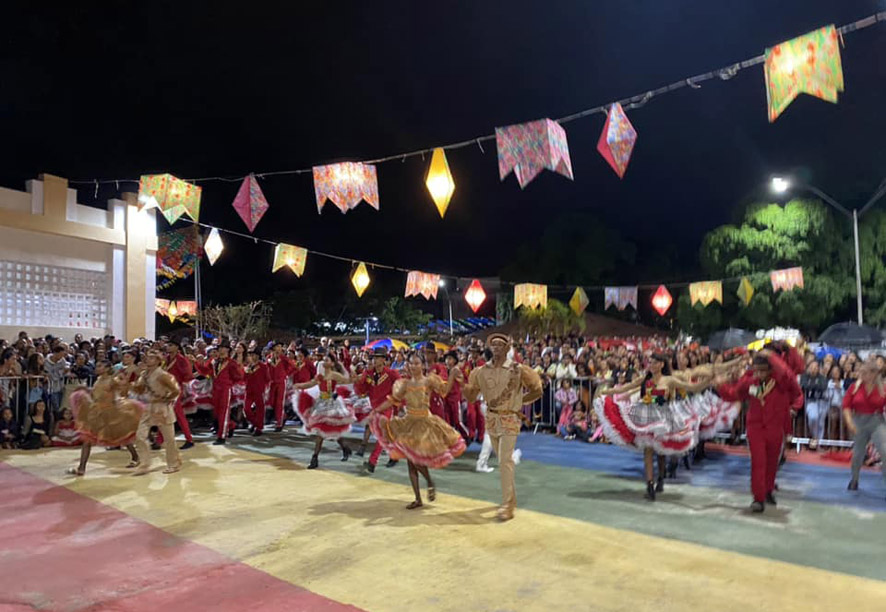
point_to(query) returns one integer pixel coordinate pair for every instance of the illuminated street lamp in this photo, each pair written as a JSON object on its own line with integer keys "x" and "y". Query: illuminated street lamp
{"x": 442, "y": 285}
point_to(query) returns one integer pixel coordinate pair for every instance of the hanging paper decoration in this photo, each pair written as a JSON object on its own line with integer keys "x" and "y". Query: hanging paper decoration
{"x": 620, "y": 297}
{"x": 475, "y": 295}
{"x": 706, "y": 292}
{"x": 422, "y": 283}
{"x": 360, "y": 279}
{"x": 745, "y": 290}
{"x": 617, "y": 140}
{"x": 529, "y": 148}
{"x": 439, "y": 181}
{"x": 579, "y": 301}
{"x": 662, "y": 300}
{"x": 250, "y": 202}
{"x": 174, "y": 197}
{"x": 291, "y": 256}
{"x": 807, "y": 64}
{"x": 787, "y": 279}
{"x": 181, "y": 310}
{"x": 345, "y": 185}
{"x": 213, "y": 246}
{"x": 531, "y": 296}
{"x": 178, "y": 252}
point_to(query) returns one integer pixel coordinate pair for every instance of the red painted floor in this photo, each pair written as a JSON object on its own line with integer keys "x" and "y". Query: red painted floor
{"x": 836, "y": 458}
{"x": 63, "y": 551}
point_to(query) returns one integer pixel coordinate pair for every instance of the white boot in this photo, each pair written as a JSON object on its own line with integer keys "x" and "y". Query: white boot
{"x": 516, "y": 455}
{"x": 485, "y": 452}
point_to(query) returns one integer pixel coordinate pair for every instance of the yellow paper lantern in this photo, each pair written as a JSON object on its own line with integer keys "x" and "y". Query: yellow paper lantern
{"x": 439, "y": 181}
{"x": 290, "y": 256}
{"x": 360, "y": 279}
{"x": 213, "y": 246}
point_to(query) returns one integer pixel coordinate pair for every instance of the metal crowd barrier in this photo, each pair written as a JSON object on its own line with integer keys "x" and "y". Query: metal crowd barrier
{"x": 19, "y": 392}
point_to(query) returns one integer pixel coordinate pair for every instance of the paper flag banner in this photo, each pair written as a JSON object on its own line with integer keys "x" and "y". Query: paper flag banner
{"x": 706, "y": 292}
{"x": 360, "y": 279}
{"x": 531, "y": 296}
{"x": 529, "y": 148}
{"x": 439, "y": 181}
{"x": 291, "y": 256}
{"x": 174, "y": 197}
{"x": 662, "y": 300}
{"x": 745, "y": 291}
{"x": 250, "y": 202}
{"x": 422, "y": 283}
{"x": 173, "y": 310}
{"x": 620, "y": 297}
{"x": 579, "y": 301}
{"x": 787, "y": 279}
{"x": 213, "y": 246}
{"x": 178, "y": 252}
{"x": 345, "y": 185}
{"x": 475, "y": 295}
{"x": 617, "y": 140}
{"x": 807, "y": 64}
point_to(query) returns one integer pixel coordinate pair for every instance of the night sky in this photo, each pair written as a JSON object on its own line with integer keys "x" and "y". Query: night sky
{"x": 118, "y": 89}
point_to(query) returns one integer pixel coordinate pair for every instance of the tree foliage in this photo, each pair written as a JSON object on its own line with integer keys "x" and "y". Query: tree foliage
{"x": 557, "y": 319}
{"x": 250, "y": 320}
{"x": 399, "y": 316}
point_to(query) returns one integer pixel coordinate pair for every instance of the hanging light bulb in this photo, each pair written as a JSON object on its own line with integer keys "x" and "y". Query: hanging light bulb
{"x": 475, "y": 296}
{"x": 439, "y": 181}
{"x": 213, "y": 246}
{"x": 360, "y": 279}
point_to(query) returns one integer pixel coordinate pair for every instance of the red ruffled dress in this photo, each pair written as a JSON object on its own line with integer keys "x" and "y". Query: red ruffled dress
{"x": 328, "y": 416}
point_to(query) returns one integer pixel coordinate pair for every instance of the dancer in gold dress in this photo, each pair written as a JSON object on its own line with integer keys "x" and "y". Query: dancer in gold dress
{"x": 423, "y": 439}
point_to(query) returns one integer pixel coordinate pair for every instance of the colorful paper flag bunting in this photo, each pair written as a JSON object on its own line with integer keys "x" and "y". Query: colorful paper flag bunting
{"x": 475, "y": 295}
{"x": 787, "y": 279}
{"x": 706, "y": 292}
{"x": 178, "y": 252}
{"x": 579, "y": 301}
{"x": 745, "y": 290}
{"x": 175, "y": 310}
{"x": 345, "y": 185}
{"x": 290, "y": 256}
{"x": 807, "y": 64}
{"x": 617, "y": 140}
{"x": 530, "y": 296}
{"x": 529, "y": 148}
{"x": 173, "y": 196}
{"x": 422, "y": 283}
{"x": 250, "y": 202}
{"x": 620, "y": 297}
{"x": 662, "y": 300}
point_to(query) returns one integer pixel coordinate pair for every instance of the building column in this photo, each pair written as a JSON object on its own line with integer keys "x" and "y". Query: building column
{"x": 137, "y": 225}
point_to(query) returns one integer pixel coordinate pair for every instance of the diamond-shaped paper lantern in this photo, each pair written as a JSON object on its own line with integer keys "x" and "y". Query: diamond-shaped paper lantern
{"x": 787, "y": 279}
{"x": 360, "y": 279}
{"x": 579, "y": 301}
{"x": 706, "y": 292}
{"x": 422, "y": 283}
{"x": 745, "y": 291}
{"x": 529, "y": 148}
{"x": 250, "y": 202}
{"x": 617, "y": 140}
{"x": 345, "y": 185}
{"x": 213, "y": 246}
{"x": 530, "y": 295}
{"x": 662, "y": 300}
{"x": 439, "y": 181}
{"x": 807, "y": 64}
{"x": 174, "y": 197}
{"x": 475, "y": 295}
{"x": 290, "y": 256}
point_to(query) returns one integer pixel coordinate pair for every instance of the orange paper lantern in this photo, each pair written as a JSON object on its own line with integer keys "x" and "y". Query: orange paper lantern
{"x": 475, "y": 296}
{"x": 662, "y": 300}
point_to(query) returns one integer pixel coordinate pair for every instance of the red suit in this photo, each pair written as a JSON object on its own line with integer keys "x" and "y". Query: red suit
{"x": 225, "y": 373}
{"x": 452, "y": 409}
{"x": 180, "y": 369}
{"x": 767, "y": 405}
{"x": 378, "y": 387}
{"x": 436, "y": 403}
{"x": 257, "y": 381}
{"x": 279, "y": 369}
{"x": 476, "y": 422}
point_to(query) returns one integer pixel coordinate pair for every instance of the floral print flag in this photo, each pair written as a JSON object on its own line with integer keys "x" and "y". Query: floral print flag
{"x": 529, "y": 148}
{"x": 250, "y": 202}
{"x": 173, "y": 196}
{"x": 422, "y": 283}
{"x": 787, "y": 279}
{"x": 345, "y": 185}
{"x": 706, "y": 292}
{"x": 530, "y": 296}
{"x": 617, "y": 140}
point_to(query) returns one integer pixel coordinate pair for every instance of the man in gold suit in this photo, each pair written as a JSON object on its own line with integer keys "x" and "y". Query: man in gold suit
{"x": 158, "y": 390}
{"x": 507, "y": 387}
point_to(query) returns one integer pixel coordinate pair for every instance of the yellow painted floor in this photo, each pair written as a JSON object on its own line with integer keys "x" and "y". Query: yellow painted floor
{"x": 350, "y": 539}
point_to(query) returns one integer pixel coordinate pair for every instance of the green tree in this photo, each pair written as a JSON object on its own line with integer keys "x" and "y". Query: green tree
{"x": 248, "y": 321}
{"x": 557, "y": 318}
{"x": 872, "y": 248}
{"x": 399, "y": 316}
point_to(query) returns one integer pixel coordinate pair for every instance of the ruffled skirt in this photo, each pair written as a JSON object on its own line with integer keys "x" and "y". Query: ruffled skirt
{"x": 715, "y": 414}
{"x": 325, "y": 417}
{"x": 106, "y": 425}
{"x": 668, "y": 429}
{"x": 422, "y": 439}
{"x": 361, "y": 407}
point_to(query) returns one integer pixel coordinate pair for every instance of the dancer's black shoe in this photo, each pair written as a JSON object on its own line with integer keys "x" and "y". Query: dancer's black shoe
{"x": 659, "y": 487}
{"x": 360, "y": 451}
{"x": 853, "y": 485}
{"x": 686, "y": 463}
{"x": 278, "y": 430}
{"x": 186, "y": 446}
{"x": 219, "y": 442}
{"x": 345, "y": 453}
{"x": 770, "y": 499}
{"x": 369, "y": 467}
{"x": 672, "y": 470}
{"x": 257, "y": 433}
{"x": 650, "y": 491}
{"x": 391, "y": 463}
{"x": 314, "y": 464}
{"x": 757, "y": 507}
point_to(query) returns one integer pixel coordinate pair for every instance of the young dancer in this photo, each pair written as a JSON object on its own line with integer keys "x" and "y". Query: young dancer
{"x": 327, "y": 418}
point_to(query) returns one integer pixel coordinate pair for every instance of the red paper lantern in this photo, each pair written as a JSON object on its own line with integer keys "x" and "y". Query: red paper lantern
{"x": 475, "y": 296}
{"x": 662, "y": 300}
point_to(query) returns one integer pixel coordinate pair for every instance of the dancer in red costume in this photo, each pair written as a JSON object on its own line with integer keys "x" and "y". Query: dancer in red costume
{"x": 225, "y": 373}
{"x": 770, "y": 389}
{"x": 475, "y": 421}
{"x": 327, "y": 418}
{"x": 437, "y": 404}
{"x": 183, "y": 372}
{"x": 452, "y": 401}
{"x": 257, "y": 380}
{"x": 377, "y": 383}
{"x": 280, "y": 368}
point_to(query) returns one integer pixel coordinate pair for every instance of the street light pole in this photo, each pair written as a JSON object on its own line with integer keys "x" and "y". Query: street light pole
{"x": 442, "y": 285}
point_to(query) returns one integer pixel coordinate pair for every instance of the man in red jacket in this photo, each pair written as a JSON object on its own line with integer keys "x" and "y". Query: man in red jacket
{"x": 377, "y": 383}
{"x": 770, "y": 389}
{"x": 437, "y": 406}
{"x": 225, "y": 373}
{"x": 476, "y": 422}
{"x": 180, "y": 368}
{"x": 452, "y": 401}
{"x": 257, "y": 381}
{"x": 279, "y": 369}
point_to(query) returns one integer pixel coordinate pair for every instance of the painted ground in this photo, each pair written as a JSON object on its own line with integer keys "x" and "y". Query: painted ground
{"x": 246, "y": 527}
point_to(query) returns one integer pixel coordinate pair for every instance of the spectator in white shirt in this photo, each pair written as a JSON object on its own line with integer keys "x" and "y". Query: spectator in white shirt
{"x": 566, "y": 369}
